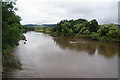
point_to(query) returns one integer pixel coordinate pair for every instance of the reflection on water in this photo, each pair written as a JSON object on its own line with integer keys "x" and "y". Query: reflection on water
{"x": 89, "y": 46}
{"x": 45, "y": 56}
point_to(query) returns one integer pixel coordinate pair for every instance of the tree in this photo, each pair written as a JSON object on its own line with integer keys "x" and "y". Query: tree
{"x": 81, "y": 27}
{"x": 82, "y": 30}
{"x": 103, "y": 30}
{"x": 108, "y": 30}
{"x": 113, "y": 31}
{"x": 86, "y": 32}
{"x": 11, "y": 25}
{"x": 93, "y": 26}
{"x": 11, "y": 33}
{"x": 78, "y": 27}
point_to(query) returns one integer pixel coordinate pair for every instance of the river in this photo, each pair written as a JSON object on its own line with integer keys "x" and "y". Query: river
{"x": 45, "y": 56}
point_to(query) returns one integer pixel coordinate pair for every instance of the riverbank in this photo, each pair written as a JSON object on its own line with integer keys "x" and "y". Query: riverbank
{"x": 82, "y": 28}
{"x": 91, "y": 37}
{"x": 88, "y": 29}
{"x": 9, "y": 60}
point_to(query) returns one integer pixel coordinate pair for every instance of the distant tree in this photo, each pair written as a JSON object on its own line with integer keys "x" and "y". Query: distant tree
{"x": 113, "y": 31}
{"x": 77, "y": 28}
{"x": 110, "y": 30}
{"x": 86, "y": 32}
{"x": 93, "y": 26}
{"x": 81, "y": 27}
{"x": 82, "y": 30}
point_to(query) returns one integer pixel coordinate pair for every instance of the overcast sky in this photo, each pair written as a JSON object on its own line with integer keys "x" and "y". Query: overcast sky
{"x": 53, "y": 11}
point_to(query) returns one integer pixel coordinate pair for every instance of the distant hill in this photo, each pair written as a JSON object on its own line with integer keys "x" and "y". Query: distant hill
{"x": 49, "y": 25}
{"x": 31, "y": 25}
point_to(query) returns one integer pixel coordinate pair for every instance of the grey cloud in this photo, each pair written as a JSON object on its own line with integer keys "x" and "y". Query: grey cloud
{"x": 104, "y": 12}
{"x": 53, "y": 12}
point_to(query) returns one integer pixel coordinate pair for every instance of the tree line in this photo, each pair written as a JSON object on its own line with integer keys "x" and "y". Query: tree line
{"x": 88, "y": 29}
{"x": 11, "y": 33}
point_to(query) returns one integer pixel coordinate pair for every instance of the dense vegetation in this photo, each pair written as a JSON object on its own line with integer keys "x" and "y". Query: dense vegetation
{"x": 27, "y": 28}
{"x": 11, "y": 34}
{"x": 44, "y": 29}
{"x": 88, "y": 29}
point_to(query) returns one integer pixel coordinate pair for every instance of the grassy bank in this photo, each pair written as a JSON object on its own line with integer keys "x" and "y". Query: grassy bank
{"x": 8, "y": 59}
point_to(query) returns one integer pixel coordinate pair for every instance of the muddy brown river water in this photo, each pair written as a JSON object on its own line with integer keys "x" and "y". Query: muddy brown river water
{"x": 45, "y": 56}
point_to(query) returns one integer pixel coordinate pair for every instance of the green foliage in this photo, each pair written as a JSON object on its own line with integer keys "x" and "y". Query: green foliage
{"x": 11, "y": 32}
{"x": 74, "y": 25}
{"x": 84, "y": 28}
{"x": 87, "y": 32}
{"x": 70, "y": 31}
{"x": 94, "y": 35}
{"x": 11, "y": 26}
{"x": 78, "y": 27}
{"x": 44, "y": 29}
{"x": 93, "y": 26}
{"x": 25, "y": 28}
{"x": 109, "y": 30}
